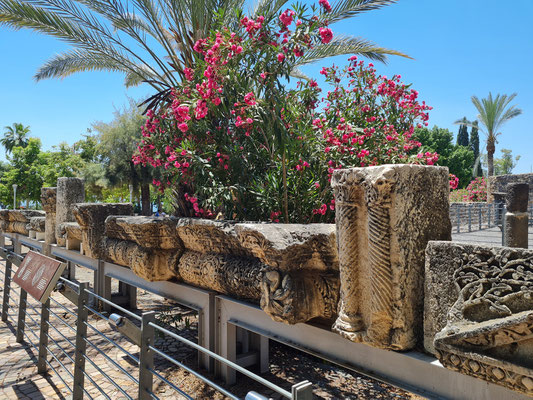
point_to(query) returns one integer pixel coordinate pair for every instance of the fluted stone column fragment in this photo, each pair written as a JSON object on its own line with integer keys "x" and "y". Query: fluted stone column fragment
{"x": 69, "y": 192}
{"x": 385, "y": 215}
{"x": 48, "y": 201}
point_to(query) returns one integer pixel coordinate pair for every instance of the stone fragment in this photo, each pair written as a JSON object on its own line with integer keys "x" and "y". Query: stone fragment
{"x": 290, "y": 247}
{"x": 17, "y": 221}
{"x": 385, "y": 216}
{"x": 48, "y": 201}
{"x": 517, "y": 197}
{"x": 148, "y": 232}
{"x": 37, "y": 224}
{"x": 91, "y": 218}
{"x": 488, "y": 329}
{"x": 148, "y": 263}
{"x": 225, "y": 273}
{"x": 69, "y": 192}
{"x": 205, "y": 235}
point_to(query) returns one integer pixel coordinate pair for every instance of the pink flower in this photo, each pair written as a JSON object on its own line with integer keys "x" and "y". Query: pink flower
{"x": 262, "y": 75}
{"x": 238, "y": 50}
{"x": 325, "y": 4}
{"x": 189, "y": 74}
{"x": 326, "y": 35}
{"x": 217, "y": 101}
{"x": 286, "y": 17}
{"x": 281, "y": 57}
{"x": 183, "y": 127}
{"x": 249, "y": 99}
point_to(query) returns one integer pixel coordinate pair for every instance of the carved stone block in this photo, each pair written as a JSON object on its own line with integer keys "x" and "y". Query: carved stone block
{"x": 488, "y": 331}
{"x": 204, "y": 235}
{"x": 290, "y": 247}
{"x": 69, "y": 192}
{"x": 48, "y": 201}
{"x": 385, "y": 216}
{"x": 149, "y": 264}
{"x": 37, "y": 224}
{"x": 148, "y": 232}
{"x": 17, "y": 221}
{"x": 91, "y": 218}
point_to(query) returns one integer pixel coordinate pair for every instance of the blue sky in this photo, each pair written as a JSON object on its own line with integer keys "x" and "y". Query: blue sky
{"x": 460, "y": 48}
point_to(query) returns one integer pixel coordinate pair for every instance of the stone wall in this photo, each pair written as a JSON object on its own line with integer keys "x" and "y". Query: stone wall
{"x": 499, "y": 184}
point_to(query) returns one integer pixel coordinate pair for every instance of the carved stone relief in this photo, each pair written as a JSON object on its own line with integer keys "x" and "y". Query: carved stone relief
{"x": 385, "y": 216}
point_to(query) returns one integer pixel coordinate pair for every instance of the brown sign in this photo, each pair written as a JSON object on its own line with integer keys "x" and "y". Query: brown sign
{"x": 38, "y": 275}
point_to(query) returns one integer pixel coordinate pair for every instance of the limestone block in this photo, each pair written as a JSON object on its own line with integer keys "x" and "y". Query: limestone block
{"x": 385, "y": 216}
{"x": 17, "y": 220}
{"x": 91, "y": 218}
{"x": 48, "y": 201}
{"x": 69, "y": 192}
{"x": 299, "y": 297}
{"x": 72, "y": 230}
{"x": 204, "y": 235}
{"x": 488, "y": 330}
{"x": 37, "y": 224}
{"x": 225, "y": 273}
{"x": 149, "y": 264}
{"x": 148, "y": 232}
{"x": 516, "y": 217}
{"x": 290, "y": 247}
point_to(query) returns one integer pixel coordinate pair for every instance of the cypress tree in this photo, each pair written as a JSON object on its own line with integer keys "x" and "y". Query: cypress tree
{"x": 474, "y": 145}
{"x": 462, "y": 136}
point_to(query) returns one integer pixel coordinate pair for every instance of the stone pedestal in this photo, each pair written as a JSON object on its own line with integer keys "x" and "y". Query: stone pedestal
{"x": 69, "y": 192}
{"x": 385, "y": 216}
{"x": 516, "y": 217}
{"x": 48, "y": 201}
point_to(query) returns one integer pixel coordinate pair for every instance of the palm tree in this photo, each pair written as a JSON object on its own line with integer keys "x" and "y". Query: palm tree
{"x": 151, "y": 40}
{"x": 493, "y": 113}
{"x": 15, "y": 136}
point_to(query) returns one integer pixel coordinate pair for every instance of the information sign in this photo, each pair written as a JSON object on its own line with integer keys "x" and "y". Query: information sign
{"x": 38, "y": 275}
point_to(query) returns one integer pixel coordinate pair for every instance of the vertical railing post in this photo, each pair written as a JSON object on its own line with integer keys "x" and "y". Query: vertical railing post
{"x": 43, "y": 337}
{"x": 302, "y": 391}
{"x": 490, "y": 214}
{"x": 146, "y": 357}
{"x": 21, "y": 315}
{"x": 81, "y": 344}
{"x": 459, "y": 219}
{"x": 7, "y": 289}
{"x": 479, "y": 217}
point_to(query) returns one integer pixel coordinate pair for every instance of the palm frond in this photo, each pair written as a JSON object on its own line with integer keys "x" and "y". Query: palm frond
{"x": 350, "y": 8}
{"x": 268, "y": 8}
{"x": 298, "y": 74}
{"x": 348, "y": 45}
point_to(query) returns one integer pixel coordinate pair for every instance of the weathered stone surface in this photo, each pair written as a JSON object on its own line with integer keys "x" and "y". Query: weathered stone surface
{"x": 516, "y": 217}
{"x": 488, "y": 332}
{"x": 69, "y": 192}
{"x": 290, "y": 247}
{"x": 91, "y": 217}
{"x": 385, "y": 216}
{"x": 17, "y": 221}
{"x": 150, "y": 264}
{"x": 48, "y": 201}
{"x": 228, "y": 274}
{"x": 37, "y": 224}
{"x": 70, "y": 230}
{"x": 516, "y": 198}
{"x": 204, "y": 235}
{"x": 148, "y": 232}
{"x": 299, "y": 297}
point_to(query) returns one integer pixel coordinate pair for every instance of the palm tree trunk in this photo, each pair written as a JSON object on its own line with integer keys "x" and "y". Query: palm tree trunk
{"x": 491, "y": 149}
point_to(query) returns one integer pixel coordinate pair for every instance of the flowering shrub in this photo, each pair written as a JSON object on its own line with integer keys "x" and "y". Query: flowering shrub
{"x": 454, "y": 182}
{"x": 233, "y": 141}
{"x": 475, "y": 191}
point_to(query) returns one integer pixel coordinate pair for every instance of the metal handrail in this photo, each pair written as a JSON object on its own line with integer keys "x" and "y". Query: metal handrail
{"x": 133, "y": 315}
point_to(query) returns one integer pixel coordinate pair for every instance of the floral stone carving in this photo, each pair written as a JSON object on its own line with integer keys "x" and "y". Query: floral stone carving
{"x": 385, "y": 216}
{"x": 489, "y": 328}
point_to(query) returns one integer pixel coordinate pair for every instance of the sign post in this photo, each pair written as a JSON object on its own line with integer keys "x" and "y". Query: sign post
{"x": 38, "y": 275}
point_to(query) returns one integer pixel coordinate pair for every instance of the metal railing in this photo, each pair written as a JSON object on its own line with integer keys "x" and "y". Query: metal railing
{"x": 469, "y": 217}
{"x": 66, "y": 353}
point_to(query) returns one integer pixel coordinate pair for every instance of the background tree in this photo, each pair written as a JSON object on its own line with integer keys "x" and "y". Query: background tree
{"x": 474, "y": 146}
{"x": 462, "y": 135}
{"x": 152, "y": 41}
{"x": 494, "y": 112}
{"x": 15, "y": 136}
{"x": 457, "y": 158}
{"x": 505, "y": 164}
{"x": 117, "y": 141}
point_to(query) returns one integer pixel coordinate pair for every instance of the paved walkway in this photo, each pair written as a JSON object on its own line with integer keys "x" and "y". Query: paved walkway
{"x": 491, "y": 237}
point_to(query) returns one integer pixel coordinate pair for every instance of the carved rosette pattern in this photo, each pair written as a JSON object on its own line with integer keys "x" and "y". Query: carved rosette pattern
{"x": 504, "y": 374}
